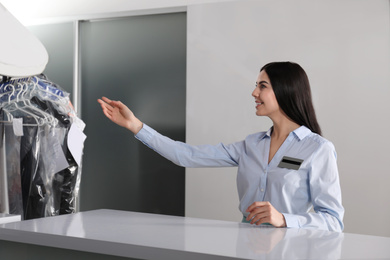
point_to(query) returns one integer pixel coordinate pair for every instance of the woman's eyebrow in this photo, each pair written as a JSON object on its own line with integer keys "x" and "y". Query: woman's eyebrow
{"x": 262, "y": 82}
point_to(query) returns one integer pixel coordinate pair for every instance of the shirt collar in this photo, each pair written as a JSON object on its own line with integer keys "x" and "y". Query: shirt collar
{"x": 269, "y": 132}
{"x": 301, "y": 132}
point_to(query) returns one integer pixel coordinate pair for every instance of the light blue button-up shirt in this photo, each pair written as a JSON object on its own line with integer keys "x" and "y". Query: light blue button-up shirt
{"x": 315, "y": 185}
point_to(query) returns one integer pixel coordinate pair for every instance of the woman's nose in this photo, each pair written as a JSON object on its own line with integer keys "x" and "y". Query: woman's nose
{"x": 255, "y": 92}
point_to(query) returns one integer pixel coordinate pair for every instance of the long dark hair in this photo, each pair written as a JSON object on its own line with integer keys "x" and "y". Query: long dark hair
{"x": 292, "y": 91}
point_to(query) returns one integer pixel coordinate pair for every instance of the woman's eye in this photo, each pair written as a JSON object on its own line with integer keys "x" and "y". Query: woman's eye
{"x": 260, "y": 86}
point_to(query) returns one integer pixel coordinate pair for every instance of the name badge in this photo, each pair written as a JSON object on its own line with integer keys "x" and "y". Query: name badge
{"x": 290, "y": 163}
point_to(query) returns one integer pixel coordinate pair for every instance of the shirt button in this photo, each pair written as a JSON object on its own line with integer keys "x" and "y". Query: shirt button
{"x": 262, "y": 190}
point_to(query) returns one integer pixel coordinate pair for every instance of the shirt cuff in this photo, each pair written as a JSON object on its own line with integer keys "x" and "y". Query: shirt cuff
{"x": 145, "y": 134}
{"x": 291, "y": 221}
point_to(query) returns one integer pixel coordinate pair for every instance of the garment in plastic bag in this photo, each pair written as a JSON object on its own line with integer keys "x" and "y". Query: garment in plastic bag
{"x": 63, "y": 181}
{"x": 11, "y": 201}
{"x": 49, "y": 174}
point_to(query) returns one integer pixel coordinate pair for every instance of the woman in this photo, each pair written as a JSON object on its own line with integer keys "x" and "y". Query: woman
{"x": 282, "y": 173}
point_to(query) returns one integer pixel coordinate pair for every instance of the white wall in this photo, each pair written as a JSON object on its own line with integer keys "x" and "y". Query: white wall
{"x": 344, "y": 46}
{"x": 32, "y": 12}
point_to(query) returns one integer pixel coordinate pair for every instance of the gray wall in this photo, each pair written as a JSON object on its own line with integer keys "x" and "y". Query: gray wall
{"x": 344, "y": 46}
{"x": 58, "y": 41}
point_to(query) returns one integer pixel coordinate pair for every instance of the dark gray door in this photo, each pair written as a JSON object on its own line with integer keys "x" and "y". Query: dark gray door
{"x": 142, "y": 62}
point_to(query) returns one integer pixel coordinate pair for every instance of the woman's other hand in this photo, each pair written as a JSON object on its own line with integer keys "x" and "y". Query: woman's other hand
{"x": 120, "y": 114}
{"x": 261, "y": 212}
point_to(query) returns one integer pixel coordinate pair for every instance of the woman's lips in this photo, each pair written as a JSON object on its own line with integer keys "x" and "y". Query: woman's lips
{"x": 258, "y": 103}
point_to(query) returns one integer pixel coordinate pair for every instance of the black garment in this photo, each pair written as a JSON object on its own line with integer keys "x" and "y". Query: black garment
{"x": 31, "y": 169}
{"x": 64, "y": 182}
{"x": 45, "y": 188}
{"x": 43, "y": 191}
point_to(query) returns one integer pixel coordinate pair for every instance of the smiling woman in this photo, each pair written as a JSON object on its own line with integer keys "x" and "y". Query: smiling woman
{"x": 264, "y": 96}
{"x": 264, "y": 159}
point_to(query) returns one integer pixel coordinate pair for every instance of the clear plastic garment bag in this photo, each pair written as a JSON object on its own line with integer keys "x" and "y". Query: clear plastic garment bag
{"x": 40, "y": 168}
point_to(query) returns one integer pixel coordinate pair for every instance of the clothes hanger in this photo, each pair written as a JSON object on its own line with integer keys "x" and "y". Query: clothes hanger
{"x": 12, "y": 106}
{"x": 47, "y": 90}
{"x": 25, "y": 89}
{"x": 5, "y": 90}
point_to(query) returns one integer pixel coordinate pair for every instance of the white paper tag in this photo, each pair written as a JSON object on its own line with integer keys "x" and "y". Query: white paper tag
{"x": 79, "y": 123}
{"x": 17, "y": 124}
{"x": 76, "y": 140}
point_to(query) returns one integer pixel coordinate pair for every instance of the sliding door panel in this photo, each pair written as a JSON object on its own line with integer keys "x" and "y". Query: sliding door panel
{"x": 140, "y": 61}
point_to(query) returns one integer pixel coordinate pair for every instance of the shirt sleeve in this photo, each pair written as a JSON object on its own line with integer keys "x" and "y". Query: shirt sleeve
{"x": 325, "y": 194}
{"x": 186, "y": 155}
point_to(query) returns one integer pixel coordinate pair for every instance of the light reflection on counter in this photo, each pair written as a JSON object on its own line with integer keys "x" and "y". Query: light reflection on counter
{"x": 281, "y": 243}
{"x": 253, "y": 242}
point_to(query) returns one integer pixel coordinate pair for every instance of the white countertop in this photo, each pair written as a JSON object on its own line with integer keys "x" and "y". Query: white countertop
{"x": 7, "y": 218}
{"x": 152, "y": 236}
